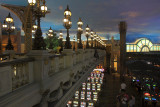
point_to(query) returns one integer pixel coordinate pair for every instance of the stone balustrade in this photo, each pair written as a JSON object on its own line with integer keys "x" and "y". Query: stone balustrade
{"x": 39, "y": 71}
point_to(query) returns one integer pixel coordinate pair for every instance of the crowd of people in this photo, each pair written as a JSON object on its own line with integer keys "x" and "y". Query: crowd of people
{"x": 124, "y": 99}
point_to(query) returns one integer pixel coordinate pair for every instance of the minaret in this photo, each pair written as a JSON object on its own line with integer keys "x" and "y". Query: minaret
{"x": 122, "y": 31}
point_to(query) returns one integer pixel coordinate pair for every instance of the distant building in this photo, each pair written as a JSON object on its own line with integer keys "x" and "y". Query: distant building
{"x": 142, "y": 45}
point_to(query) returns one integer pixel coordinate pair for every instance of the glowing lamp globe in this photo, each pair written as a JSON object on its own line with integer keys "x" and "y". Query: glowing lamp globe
{"x": 67, "y": 12}
{"x": 4, "y": 24}
{"x": 13, "y": 27}
{"x": 44, "y": 8}
{"x": 35, "y": 26}
{"x": 9, "y": 19}
{"x": 65, "y": 20}
{"x": 50, "y": 30}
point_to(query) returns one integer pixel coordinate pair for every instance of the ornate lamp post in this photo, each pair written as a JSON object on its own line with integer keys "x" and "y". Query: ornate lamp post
{"x": 87, "y": 35}
{"x": 9, "y": 28}
{"x": 50, "y": 35}
{"x": 92, "y": 36}
{"x": 74, "y": 38}
{"x": 67, "y": 24}
{"x": 39, "y": 12}
{"x": 61, "y": 40}
{"x": 79, "y": 32}
{"x": 95, "y": 37}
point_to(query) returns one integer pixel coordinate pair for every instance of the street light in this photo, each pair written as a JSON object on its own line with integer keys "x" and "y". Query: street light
{"x": 39, "y": 11}
{"x": 61, "y": 40}
{"x": 74, "y": 38}
{"x": 32, "y": 2}
{"x": 9, "y": 28}
{"x": 79, "y": 32}
{"x": 67, "y": 24}
{"x": 50, "y": 36}
{"x": 92, "y": 36}
{"x": 95, "y": 36}
{"x": 97, "y": 39}
{"x": 87, "y": 35}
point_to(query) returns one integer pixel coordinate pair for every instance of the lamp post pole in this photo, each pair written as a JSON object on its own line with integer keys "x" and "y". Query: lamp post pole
{"x": 79, "y": 32}
{"x": 74, "y": 43}
{"x": 95, "y": 37}
{"x": 39, "y": 12}
{"x": 50, "y": 35}
{"x": 61, "y": 40}
{"x": 8, "y": 28}
{"x": 67, "y": 24}
{"x": 87, "y": 36}
{"x": 92, "y": 36}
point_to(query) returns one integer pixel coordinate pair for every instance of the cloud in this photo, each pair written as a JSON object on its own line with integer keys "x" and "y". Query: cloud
{"x": 130, "y": 14}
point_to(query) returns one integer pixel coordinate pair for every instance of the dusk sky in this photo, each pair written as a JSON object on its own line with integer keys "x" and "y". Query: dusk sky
{"x": 103, "y": 16}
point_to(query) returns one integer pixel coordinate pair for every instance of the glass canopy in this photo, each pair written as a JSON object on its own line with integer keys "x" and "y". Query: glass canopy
{"x": 142, "y": 45}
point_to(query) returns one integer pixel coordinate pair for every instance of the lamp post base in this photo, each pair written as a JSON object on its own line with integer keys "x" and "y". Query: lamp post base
{"x": 39, "y": 43}
{"x": 9, "y": 45}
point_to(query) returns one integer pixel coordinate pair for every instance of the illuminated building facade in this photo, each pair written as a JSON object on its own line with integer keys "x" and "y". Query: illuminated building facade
{"x": 142, "y": 45}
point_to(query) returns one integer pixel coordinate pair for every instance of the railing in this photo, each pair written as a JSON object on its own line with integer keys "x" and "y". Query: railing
{"x": 15, "y": 74}
{"x": 20, "y": 76}
{"x": 41, "y": 68}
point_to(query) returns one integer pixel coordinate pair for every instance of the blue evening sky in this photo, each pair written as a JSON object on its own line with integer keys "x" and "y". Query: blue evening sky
{"x": 103, "y": 16}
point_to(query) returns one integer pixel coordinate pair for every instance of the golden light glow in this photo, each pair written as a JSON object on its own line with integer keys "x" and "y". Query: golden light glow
{"x": 67, "y": 13}
{"x": 33, "y": 31}
{"x": 80, "y": 23}
{"x": 35, "y": 26}
{"x": 70, "y": 23}
{"x": 44, "y": 8}
{"x": 65, "y": 20}
{"x": 9, "y": 20}
{"x": 50, "y": 31}
{"x": 13, "y": 27}
{"x": 4, "y": 26}
{"x": 32, "y": 2}
{"x": 15, "y": 72}
{"x": 87, "y": 28}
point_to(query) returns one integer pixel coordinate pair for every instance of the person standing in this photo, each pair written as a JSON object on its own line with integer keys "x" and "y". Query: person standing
{"x": 132, "y": 101}
{"x": 123, "y": 87}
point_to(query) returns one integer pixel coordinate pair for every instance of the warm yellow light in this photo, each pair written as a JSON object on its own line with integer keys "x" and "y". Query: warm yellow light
{"x": 87, "y": 33}
{"x": 32, "y": 2}
{"x": 80, "y": 23}
{"x": 50, "y": 31}
{"x": 65, "y": 20}
{"x": 15, "y": 72}
{"x": 33, "y": 31}
{"x": 9, "y": 20}
{"x": 4, "y": 24}
{"x": 13, "y": 27}
{"x": 70, "y": 23}
{"x": 61, "y": 33}
{"x": 92, "y": 32}
{"x": 67, "y": 13}
{"x": 44, "y": 8}
{"x": 87, "y": 28}
{"x": 80, "y": 29}
{"x": 35, "y": 26}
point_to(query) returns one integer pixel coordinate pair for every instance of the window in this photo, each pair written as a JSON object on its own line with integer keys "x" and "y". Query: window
{"x": 145, "y": 49}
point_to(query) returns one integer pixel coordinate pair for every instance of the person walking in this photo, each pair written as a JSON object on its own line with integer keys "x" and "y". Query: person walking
{"x": 132, "y": 101}
{"x": 123, "y": 87}
{"x": 124, "y": 101}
